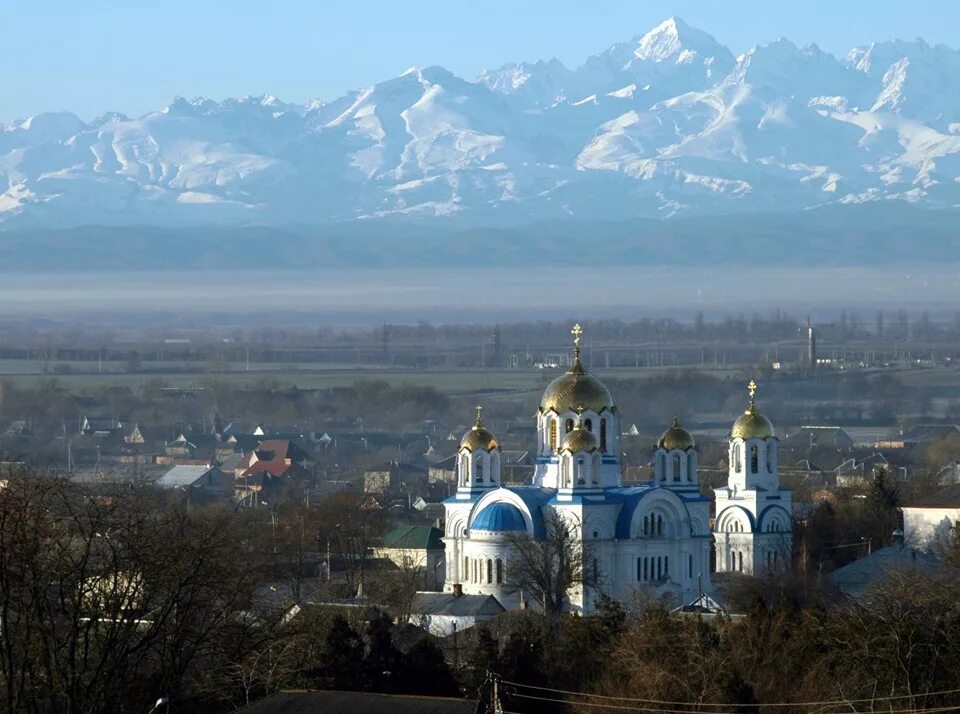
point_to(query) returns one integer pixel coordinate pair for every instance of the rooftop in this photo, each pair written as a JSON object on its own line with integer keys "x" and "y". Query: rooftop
{"x": 182, "y": 476}
{"x": 856, "y": 578}
{"x": 357, "y": 703}
{"x": 429, "y": 603}
{"x": 414, "y": 538}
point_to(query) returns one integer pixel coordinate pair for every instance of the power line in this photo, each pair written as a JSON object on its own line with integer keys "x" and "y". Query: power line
{"x": 612, "y": 706}
{"x": 834, "y": 702}
{"x": 930, "y": 710}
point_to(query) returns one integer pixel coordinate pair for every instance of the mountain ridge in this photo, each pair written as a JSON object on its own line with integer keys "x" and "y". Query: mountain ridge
{"x": 666, "y": 125}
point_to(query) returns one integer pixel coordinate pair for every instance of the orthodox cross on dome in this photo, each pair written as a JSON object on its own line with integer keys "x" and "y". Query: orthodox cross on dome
{"x": 577, "y": 333}
{"x": 752, "y": 391}
{"x": 479, "y": 422}
{"x": 580, "y": 410}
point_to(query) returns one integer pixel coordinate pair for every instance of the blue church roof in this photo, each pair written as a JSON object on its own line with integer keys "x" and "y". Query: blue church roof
{"x": 499, "y": 518}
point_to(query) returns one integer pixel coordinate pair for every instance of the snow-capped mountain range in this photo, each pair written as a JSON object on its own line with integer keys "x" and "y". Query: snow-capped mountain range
{"x": 668, "y": 124}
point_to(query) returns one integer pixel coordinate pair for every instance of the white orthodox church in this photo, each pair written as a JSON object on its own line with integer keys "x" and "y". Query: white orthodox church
{"x": 653, "y": 535}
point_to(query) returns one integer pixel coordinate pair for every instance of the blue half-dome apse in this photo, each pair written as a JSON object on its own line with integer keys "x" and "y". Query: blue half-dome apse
{"x": 499, "y": 518}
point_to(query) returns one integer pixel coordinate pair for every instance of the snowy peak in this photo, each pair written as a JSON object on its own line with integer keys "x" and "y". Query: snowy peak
{"x": 675, "y": 41}
{"x": 666, "y": 124}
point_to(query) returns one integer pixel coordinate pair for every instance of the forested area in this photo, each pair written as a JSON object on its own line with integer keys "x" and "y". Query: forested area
{"x": 109, "y": 603}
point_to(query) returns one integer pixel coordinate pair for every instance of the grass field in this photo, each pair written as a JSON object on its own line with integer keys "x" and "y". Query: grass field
{"x": 86, "y": 375}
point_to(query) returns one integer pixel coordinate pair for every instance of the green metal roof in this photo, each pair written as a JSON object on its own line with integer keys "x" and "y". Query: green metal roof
{"x": 414, "y": 538}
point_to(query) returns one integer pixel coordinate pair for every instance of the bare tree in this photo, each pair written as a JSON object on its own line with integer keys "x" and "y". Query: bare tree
{"x": 106, "y": 604}
{"x": 548, "y": 568}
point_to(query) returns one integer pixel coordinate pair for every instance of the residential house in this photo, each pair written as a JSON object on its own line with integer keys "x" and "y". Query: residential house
{"x": 393, "y": 476}
{"x": 813, "y": 437}
{"x": 857, "y": 473}
{"x": 275, "y": 466}
{"x": 194, "y": 448}
{"x": 417, "y": 548}
{"x": 858, "y": 578}
{"x": 200, "y": 485}
{"x": 443, "y": 471}
{"x": 929, "y": 521}
{"x": 100, "y": 426}
{"x": 443, "y": 614}
{"x": 516, "y": 466}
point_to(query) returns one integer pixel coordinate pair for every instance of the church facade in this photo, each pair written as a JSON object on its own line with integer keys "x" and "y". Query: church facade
{"x": 753, "y": 527}
{"x": 654, "y": 535}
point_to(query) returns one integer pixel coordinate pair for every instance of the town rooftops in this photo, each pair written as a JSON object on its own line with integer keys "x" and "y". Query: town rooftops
{"x": 414, "y": 538}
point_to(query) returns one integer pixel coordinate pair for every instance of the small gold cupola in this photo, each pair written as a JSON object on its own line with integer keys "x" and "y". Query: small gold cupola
{"x": 752, "y": 424}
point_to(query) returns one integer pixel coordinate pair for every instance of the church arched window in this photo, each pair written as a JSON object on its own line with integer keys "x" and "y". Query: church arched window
{"x": 737, "y": 459}
{"x": 466, "y": 568}
{"x": 580, "y": 471}
{"x": 499, "y": 571}
{"x": 639, "y": 569}
{"x": 603, "y": 434}
{"x": 588, "y": 424}
{"x": 666, "y": 566}
{"x": 646, "y": 525}
{"x": 479, "y": 469}
{"x": 489, "y": 571}
{"x": 568, "y": 425}
{"x": 662, "y": 466}
{"x": 659, "y": 525}
{"x": 553, "y": 434}
{"x": 676, "y": 467}
{"x": 754, "y": 459}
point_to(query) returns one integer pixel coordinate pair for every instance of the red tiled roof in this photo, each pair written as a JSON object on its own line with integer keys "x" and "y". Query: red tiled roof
{"x": 276, "y": 469}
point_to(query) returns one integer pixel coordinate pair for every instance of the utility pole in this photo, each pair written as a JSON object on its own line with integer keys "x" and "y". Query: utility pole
{"x": 329, "y": 571}
{"x": 497, "y": 707}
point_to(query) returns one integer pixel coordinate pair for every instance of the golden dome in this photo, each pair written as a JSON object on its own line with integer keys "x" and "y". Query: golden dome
{"x": 579, "y": 439}
{"x": 577, "y": 388}
{"x": 752, "y": 424}
{"x": 676, "y": 437}
{"x": 479, "y": 438}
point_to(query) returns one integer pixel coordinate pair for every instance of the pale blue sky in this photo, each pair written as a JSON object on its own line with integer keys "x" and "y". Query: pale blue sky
{"x": 90, "y": 56}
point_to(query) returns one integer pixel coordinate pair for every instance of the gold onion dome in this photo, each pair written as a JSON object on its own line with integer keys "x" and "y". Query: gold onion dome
{"x": 576, "y": 388}
{"x": 579, "y": 439}
{"x": 479, "y": 438}
{"x": 676, "y": 437}
{"x": 752, "y": 424}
